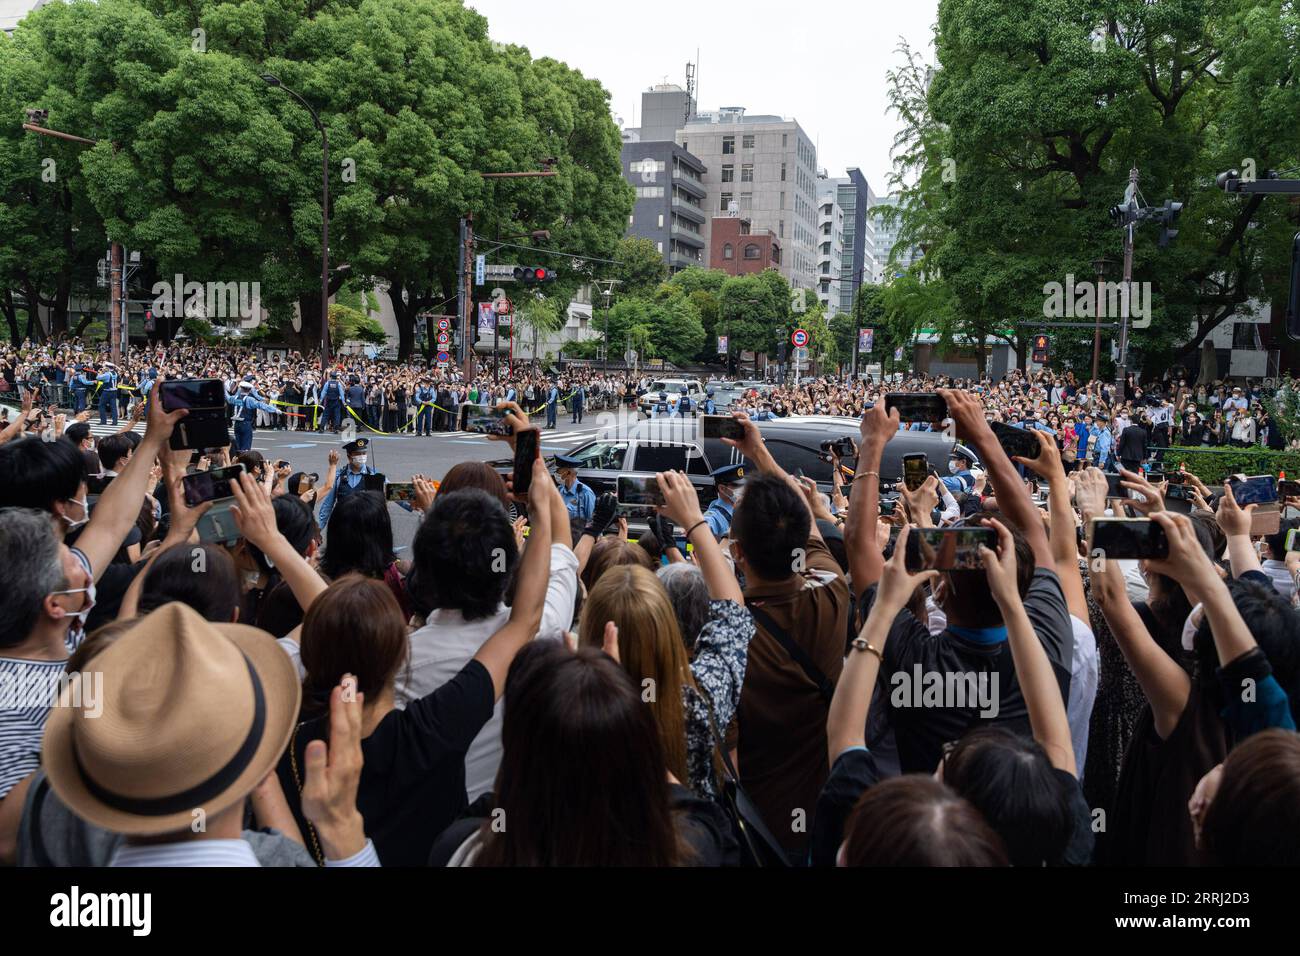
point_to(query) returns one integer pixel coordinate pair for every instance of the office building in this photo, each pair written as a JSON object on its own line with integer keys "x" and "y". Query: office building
{"x": 887, "y": 239}
{"x": 739, "y": 249}
{"x": 670, "y": 201}
{"x": 830, "y": 245}
{"x": 767, "y": 165}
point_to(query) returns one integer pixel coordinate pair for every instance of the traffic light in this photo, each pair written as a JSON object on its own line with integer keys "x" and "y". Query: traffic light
{"x": 1168, "y": 216}
{"x": 534, "y": 275}
{"x": 1125, "y": 213}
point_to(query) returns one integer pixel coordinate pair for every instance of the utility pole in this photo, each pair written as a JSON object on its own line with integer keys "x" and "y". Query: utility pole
{"x": 1099, "y": 264}
{"x": 1121, "y": 367}
{"x": 464, "y": 298}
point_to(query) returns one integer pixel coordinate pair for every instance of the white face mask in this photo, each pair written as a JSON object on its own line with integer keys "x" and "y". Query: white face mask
{"x": 954, "y": 467}
{"x": 359, "y": 461}
{"x": 86, "y": 608}
{"x": 85, "y": 514}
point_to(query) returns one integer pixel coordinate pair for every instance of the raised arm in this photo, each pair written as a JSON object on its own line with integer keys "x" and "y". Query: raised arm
{"x": 119, "y": 505}
{"x": 1013, "y": 499}
{"x": 1047, "y": 716}
{"x": 1235, "y": 522}
{"x": 530, "y": 590}
{"x": 683, "y": 507}
{"x": 256, "y": 521}
{"x": 866, "y": 561}
{"x": 1063, "y": 538}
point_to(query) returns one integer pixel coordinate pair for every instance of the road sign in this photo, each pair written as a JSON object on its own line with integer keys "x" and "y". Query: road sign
{"x": 444, "y": 325}
{"x": 630, "y": 356}
{"x": 800, "y": 338}
{"x": 501, "y": 305}
{"x": 480, "y": 266}
{"x": 500, "y": 273}
{"x": 801, "y": 354}
{"x": 444, "y": 357}
{"x": 866, "y": 339}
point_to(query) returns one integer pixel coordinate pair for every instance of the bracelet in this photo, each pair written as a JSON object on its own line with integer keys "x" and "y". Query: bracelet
{"x": 865, "y": 474}
{"x": 693, "y": 527}
{"x": 860, "y": 644}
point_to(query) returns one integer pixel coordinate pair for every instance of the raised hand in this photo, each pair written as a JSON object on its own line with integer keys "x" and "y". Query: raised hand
{"x": 332, "y": 775}
{"x": 896, "y": 583}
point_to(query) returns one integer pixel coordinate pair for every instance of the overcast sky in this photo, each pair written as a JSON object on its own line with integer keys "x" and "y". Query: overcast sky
{"x": 822, "y": 63}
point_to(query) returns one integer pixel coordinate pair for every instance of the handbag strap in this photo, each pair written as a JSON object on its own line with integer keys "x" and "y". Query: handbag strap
{"x": 824, "y": 685}
{"x": 297, "y": 779}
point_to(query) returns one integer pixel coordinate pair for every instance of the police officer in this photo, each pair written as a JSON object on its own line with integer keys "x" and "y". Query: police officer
{"x": 959, "y": 479}
{"x": 80, "y": 385}
{"x": 107, "y": 380}
{"x": 351, "y": 480}
{"x": 246, "y": 408}
{"x": 356, "y": 398}
{"x": 684, "y": 404}
{"x": 579, "y": 398}
{"x": 332, "y": 396}
{"x": 710, "y": 406}
{"x": 577, "y": 497}
{"x": 661, "y": 408}
{"x": 552, "y": 404}
{"x": 424, "y": 397}
{"x": 729, "y": 479}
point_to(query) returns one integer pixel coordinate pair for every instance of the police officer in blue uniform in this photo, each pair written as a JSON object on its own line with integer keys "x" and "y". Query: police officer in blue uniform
{"x": 729, "y": 479}
{"x": 351, "y": 480}
{"x": 661, "y": 408}
{"x": 578, "y": 498}
{"x": 424, "y": 397}
{"x": 246, "y": 407}
{"x": 552, "y": 404}
{"x": 959, "y": 480}
{"x": 684, "y": 404}
{"x": 332, "y": 397}
{"x": 107, "y": 380}
{"x": 80, "y": 385}
{"x": 709, "y": 405}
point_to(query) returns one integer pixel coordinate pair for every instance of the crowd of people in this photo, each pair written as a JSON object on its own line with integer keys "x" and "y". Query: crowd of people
{"x": 763, "y": 682}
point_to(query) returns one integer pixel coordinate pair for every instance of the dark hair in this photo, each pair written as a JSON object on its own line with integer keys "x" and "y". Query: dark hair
{"x": 613, "y": 553}
{"x": 253, "y": 461}
{"x": 77, "y": 432}
{"x": 1273, "y": 623}
{"x": 294, "y": 520}
{"x": 582, "y": 778}
{"x": 475, "y": 474}
{"x": 360, "y": 536}
{"x": 770, "y": 524}
{"x": 1168, "y": 602}
{"x": 1010, "y": 780}
{"x": 355, "y": 627}
{"x": 112, "y": 449}
{"x": 915, "y": 820}
{"x": 1252, "y": 820}
{"x": 1277, "y": 542}
{"x": 36, "y": 474}
{"x": 464, "y": 554}
{"x": 200, "y": 575}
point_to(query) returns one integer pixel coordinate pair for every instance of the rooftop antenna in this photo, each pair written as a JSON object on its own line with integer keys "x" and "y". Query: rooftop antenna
{"x": 690, "y": 91}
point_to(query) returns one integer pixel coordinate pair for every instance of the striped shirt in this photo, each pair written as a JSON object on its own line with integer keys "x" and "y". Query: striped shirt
{"x": 28, "y": 689}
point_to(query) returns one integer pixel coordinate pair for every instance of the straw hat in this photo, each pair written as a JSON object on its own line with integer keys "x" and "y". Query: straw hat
{"x": 193, "y": 716}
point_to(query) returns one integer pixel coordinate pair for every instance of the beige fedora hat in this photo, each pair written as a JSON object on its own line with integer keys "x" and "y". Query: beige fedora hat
{"x": 192, "y": 717}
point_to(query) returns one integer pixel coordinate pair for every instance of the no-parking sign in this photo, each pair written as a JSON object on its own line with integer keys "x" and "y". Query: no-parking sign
{"x": 799, "y": 338}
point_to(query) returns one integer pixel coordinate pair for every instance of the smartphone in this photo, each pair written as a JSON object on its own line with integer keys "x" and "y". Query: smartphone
{"x": 1113, "y": 489}
{"x": 373, "y": 482}
{"x": 282, "y": 463}
{"x": 192, "y": 393}
{"x": 1016, "y": 441}
{"x": 211, "y": 485}
{"x": 639, "y": 490}
{"x": 888, "y": 506}
{"x": 1291, "y": 539}
{"x": 1288, "y": 489}
{"x": 721, "y": 426}
{"x": 948, "y": 549}
{"x": 1176, "y": 478}
{"x": 1255, "y": 490}
{"x": 841, "y": 447}
{"x": 528, "y": 443}
{"x": 400, "y": 491}
{"x": 916, "y": 468}
{"x": 1178, "y": 493}
{"x": 917, "y": 406}
{"x": 1127, "y": 539}
{"x": 484, "y": 420}
{"x": 217, "y": 524}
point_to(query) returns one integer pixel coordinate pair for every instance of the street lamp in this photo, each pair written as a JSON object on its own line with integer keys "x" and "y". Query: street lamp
{"x": 270, "y": 79}
{"x": 1099, "y": 264}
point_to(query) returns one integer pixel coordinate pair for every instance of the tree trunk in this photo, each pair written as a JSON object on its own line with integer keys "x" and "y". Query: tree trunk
{"x": 11, "y": 316}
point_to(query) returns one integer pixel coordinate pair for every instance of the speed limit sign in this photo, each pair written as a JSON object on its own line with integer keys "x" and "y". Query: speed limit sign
{"x": 799, "y": 338}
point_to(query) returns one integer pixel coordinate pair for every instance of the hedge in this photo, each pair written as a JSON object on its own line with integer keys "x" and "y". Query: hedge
{"x": 1213, "y": 465}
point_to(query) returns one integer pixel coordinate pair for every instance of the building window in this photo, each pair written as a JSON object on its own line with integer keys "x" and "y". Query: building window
{"x": 725, "y": 206}
{"x": 746, "y": 202}
{"x": 728, "y": 145}
{"x": 728, "y": 174}
{"x": 785, "y": 139}
{"x": 826, "y": 229}
{"x": 780, "y": 229}
{"x": 747, "y": 173}
{"x": 1245, "y": 335}
{"x": 684, "y": 145}
{"x": 783, "y": 172}
{"x": 661, "y": 220}
{"x": 782, "y": 199}
{"x": 660, "y": 247}
{"x": 630, "y": 220}
{"x": 728, "y": 252}
{"x": 752, "y": 252}
{"x": 776, "y": 255}
{"x": 748, "y": 141}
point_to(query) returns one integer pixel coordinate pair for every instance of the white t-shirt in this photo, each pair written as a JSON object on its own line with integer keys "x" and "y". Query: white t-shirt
{"x": 1083, "y": 689}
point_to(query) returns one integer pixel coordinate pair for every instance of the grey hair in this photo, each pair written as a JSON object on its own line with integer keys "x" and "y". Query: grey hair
{"x": 30, "y": 568}
{"x": 689, "y": 595}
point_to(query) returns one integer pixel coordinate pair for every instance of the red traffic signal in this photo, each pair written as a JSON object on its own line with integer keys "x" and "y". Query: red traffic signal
{"x": 531, "y": 275}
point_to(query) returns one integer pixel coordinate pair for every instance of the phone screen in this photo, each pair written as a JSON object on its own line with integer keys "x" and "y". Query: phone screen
{"x": 211, "y": 485}
{"x": 483, "y": 420}
{"x": 1016, "y": 441}
{"x": 1288, "y": 489}
{"x": 721, "y": 426}
{"x": 1176, "y": 478}
{"x": 916, "y": 469}
{"x": 400, "y": 491}
{"x": 1127, "y": 539}
{"x": 527, "y": 444}
{"x": 1256, "y": 490}
{"x": 917, "y": 406}
{"x": 948, "y": 549}
{"x": 1113, "y": 489}
{"x": 639, "y": 490}
{"x": 373, "y": 482}
{"x": 192, "y": 393}
{"x": 1178, "y": 493}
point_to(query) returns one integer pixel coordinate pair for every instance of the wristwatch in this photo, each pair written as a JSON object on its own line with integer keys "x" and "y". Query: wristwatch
{"x": 860, "y": 644}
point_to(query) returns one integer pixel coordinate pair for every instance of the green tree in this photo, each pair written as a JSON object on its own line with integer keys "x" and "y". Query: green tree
{"x": 640, "y": 268}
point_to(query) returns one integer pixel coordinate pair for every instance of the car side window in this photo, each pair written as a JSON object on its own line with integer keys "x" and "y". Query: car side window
{"x": 603, "y": 454}
{"x": 791, "y": 456}
{"x": 660, "y": 457}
